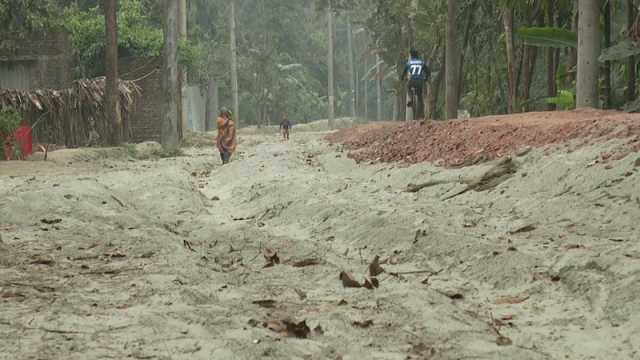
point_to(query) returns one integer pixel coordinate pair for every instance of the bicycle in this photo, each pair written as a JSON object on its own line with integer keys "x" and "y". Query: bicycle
{"x": 412, "y": 103}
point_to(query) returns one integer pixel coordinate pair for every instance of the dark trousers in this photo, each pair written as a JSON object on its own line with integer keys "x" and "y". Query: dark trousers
{"x": 225, "y": 156}
{"x": 418, "y": 109}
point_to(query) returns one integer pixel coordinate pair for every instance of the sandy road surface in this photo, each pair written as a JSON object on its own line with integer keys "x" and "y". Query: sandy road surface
{"x": 133, "y": 259}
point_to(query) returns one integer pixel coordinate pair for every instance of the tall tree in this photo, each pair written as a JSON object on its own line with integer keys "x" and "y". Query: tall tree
{"x": 589, "y": 36}
{"x": 365, "y": 84}
{"x": 234, "y": 65}
{"x": 452, "y": 57}
{"x": 608, "y": 100}
{"x": 550, "y": 54}
{"x": 379, "y": 77}
{"x": 631, "y": 62}
{"x": 352, "y": 71}
{"x": 330, "y": 64}
{"x": 112, "y": 103}
{"x": 507, "y": 20}
{"x": 169, "y": 128}
{"x": 183, "y": 80}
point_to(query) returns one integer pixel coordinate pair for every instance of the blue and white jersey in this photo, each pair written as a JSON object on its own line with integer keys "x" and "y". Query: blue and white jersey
{"x": 417, "y": 69}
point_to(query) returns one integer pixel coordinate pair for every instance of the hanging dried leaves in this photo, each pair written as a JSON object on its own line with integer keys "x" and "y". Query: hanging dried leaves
{"x": 73, "y": 116}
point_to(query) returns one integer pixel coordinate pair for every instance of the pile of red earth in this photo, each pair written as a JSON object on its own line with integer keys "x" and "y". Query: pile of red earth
{"x": 466, "y": 142}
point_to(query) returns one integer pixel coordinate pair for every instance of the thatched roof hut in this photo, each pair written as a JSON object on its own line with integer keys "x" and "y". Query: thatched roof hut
{"x": 72, "y": 117}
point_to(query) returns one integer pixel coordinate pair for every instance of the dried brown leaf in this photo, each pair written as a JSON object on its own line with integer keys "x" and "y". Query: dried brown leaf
{"x": 371, "y": 284}
{"x": 267, "y": 303}
{"x": 503, "y": 341}
{"x": 298, "y": 330}
{"x": 301, "y": 294}
{"x": 348, "y": 281}
{"x": 422, "y": 349}
{"x": 306, "y": 262}
{"x": 363, "y": 324}
{"x": 374, "y": 268}
{"x": 271, "y": 257}
{"x": 511, "y": 300}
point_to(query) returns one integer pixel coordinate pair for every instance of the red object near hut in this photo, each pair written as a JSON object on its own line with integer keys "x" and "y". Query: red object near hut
{"x": 24, "y": 139}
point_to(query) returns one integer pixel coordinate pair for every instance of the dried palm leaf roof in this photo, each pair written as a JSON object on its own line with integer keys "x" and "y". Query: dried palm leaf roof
{"x": 88, "y": 93}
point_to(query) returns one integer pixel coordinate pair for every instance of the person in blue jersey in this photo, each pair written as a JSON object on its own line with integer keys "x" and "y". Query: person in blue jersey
{"x": 417, "y": 72}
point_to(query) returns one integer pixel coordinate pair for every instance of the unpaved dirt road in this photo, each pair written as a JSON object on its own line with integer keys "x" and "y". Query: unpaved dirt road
{"x": 163, "y": 259}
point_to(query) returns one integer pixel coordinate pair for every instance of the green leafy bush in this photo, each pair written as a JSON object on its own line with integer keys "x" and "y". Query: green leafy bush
{"x": 137, "y": 35}
{"x": 9, "y": 122}
{"x": 564, "y": 100}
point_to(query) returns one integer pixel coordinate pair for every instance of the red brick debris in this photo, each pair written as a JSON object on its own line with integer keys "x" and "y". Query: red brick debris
{"x": 465, "y": 142}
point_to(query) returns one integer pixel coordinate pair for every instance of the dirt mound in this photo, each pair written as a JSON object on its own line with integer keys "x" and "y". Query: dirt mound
{"x": 465, "y": 142}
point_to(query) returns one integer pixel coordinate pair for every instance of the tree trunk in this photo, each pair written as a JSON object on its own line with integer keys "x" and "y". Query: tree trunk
{"x": 330, "y": 64}
{"x": 588, "y": 52}
{"x": 379, "y": 84}
{"x": 631, "y": 62}
{"x": 234, "y": 66}
{"x": 212, "y": 104}
{"x": 433, "y": 86}
{"x": 507, "y": 19}
{"x": 453, "y": 55}
{"x": 465, "y": 44}
{"x": 531, "y": 58}
{"x": 551, "y": 62}
{"x": 169, "y": 129}
{"x": 395, "y": 113}
{"x": 365, "y": 91}
{"x": 408, "y": 113}
{"x": 608, "y": 100}
{"x": 183, "y": 101}
{"x": 356, "y": 81}
{"x": 352, "y": 82}
{"x": 573, "y": 52}
{"x": 112, "y": 95}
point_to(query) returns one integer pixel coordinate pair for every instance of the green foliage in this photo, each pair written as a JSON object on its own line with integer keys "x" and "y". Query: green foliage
{"x": 136, "y": 34}
{"x": 565, "y": 100}
{"x": 620, "y": 51}
{"x": 195, "y": 57}
{"x": 9, "y": 121}
{"x": 548, "y": 37}
{"x": 23, "y": 16}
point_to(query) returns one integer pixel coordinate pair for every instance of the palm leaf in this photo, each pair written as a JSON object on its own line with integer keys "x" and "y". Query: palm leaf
{"x": 548, "y": 37}
{"x": 620, "y": 51}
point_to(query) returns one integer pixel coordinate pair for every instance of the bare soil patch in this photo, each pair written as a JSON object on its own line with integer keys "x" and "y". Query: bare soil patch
{"x": 466, "y": 142}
